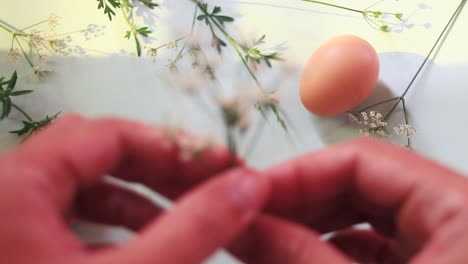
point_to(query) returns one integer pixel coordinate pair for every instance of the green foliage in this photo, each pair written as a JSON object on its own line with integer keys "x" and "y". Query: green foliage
{"x": 144, "y": 31}
{"x": 149, "y": 3}
{"x": 214, "y": 20}
{"x": 109, "y": 7}
{"x": 7, "y": 91}
{"x": 253, "y": 53}
{"x": 30, "y": 127}
{"x": 126, "y": 7}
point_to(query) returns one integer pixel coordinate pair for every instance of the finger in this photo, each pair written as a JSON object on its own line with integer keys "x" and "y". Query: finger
{"x": 67, "y": 156}
{"x": 73, "y": 153}
{"x": 271, "y": 240}
{"x": 368, "y": 247}
{"x": 371, "y": 180}
{"x": 201, "y": 222}
{"x": 113, "y": 205}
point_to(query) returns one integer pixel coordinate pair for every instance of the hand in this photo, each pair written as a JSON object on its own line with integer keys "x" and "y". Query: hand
{"x": 418, "y": 209}
{"x": 57, "y": 175}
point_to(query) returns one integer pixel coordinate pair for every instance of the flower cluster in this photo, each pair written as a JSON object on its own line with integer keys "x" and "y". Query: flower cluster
{"x": 14, "y": 55}
{"x": 373, "y": 124}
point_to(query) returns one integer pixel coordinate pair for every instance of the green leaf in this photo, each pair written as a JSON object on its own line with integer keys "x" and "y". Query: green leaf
{"x": 385, "y": 28}
{"x": 201, "y": 17}
{"x": 149, "y": 3}
{"x": 144, "y": 31}
{"x": 31, "y": 126}
{"x": 12, "y": 82}
{"x": 114, "y": 3}
{"x": 6, "y": 108}
{"x": 22, "y": 92}
{"x": 216, "y": 10}
{"x": 109, "y": 6}
{"x": 203, "y": 7}
{"x": 218, "y": 43}
{"x": 138, "y": 45}
{"x": 223, "y": 19}
{"x": 128, "y": 34}
{"x": 27, "y": 127}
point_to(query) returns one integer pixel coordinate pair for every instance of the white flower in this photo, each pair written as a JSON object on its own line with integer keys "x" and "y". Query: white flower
{"x": 172, "y": 45}
{"x": 53, "y": 21}
{"x": 405, "y": 130}
{"x": 13, "y": 55}
{"x": 37, "y": 40}
{"x": 153, "y": 53}
{"x": 371, "y": 123}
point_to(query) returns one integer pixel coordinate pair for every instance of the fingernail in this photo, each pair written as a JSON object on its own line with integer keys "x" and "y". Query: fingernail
{"x": 248, "y": 191}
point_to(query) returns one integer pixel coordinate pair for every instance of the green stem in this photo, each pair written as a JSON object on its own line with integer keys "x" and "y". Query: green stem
{"x": 194, "y": 20}
{"x": 442, "y": 34}
{"x": 377, "y": 104}
{"x": 405, "y": 113}
{"x": 336, "y": 6}
{"x": 37, "y": 24}
{"x": 167, "y": 44}
{"x": 130, "y": 23}
{"x": 2, "y": 26}
{"x": 19, "y": 109}
{"x": 237, "y": 47}
{"x": 24, "y": 52}
{"x": 238, "y": 50}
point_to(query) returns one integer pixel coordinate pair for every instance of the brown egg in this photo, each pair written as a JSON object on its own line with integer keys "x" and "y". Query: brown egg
{"x": 339, "y": 76}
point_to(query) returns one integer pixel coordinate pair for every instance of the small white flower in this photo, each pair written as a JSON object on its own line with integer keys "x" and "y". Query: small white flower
{"x": 13, "y": 55}
{"x": 405, "y": 130}
{"x": 172, "y": 45}
{"x": 153, "y": 53}
{"x": 54, "y": 21}
{"x": 37, "y": 40}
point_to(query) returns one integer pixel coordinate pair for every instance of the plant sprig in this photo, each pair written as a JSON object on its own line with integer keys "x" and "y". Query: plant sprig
{"x": 214, "y": 19}
{"x": 126, "y": 7}
{"x": 7, "y": 91}
{"x": 372, "y": 17}
{"x": 38, "y": 43}
{"x": 401, "y": 99}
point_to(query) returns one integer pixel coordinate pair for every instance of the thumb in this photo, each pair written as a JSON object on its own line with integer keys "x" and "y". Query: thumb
{"x": 201, "y": 222}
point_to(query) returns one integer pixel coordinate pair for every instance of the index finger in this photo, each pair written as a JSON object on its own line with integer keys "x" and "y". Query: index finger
{"x": 365, "y": 180}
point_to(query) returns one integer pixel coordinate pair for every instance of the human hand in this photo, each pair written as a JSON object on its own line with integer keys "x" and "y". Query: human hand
{"x": 417, "y": 208}
{"x": 57, "y": 175}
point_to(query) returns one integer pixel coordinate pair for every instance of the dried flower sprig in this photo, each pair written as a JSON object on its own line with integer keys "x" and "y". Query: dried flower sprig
{"x": 215, "y": 20}
{"x": 153, "y": 52}
{"x": 6, "y": 94}
{"x": 375, "y": 18}
{"x": 40, "y": 43}
{"x": 126, "y": 7}
{"x": 406, "y": 129}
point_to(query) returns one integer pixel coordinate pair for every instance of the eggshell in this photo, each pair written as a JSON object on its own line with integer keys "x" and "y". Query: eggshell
{"x": 339, "y": 76}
